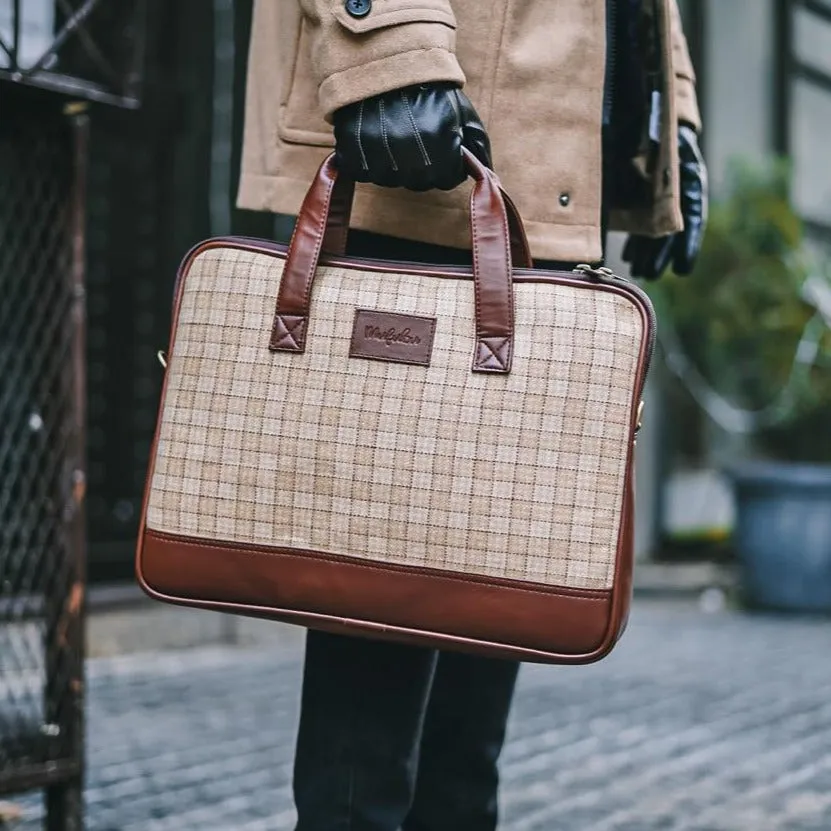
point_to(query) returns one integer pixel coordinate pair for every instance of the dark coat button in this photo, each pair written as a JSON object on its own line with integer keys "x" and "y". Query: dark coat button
{"x": 359, "y": 8}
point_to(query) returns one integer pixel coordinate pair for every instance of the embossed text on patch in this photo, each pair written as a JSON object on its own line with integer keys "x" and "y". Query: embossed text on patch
{"x": 389, "y": 336}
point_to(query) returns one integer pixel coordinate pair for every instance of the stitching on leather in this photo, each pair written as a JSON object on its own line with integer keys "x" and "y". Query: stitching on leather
{"x": 510, "y": 273}
{"x": 364, "y": 162}
{"x": 477, "y": 263}
{"x": 294, "y": 340}
{"x": 321, "y": 230}
{"x": 384, "y": 136}
{"x": 495, "y": 352}
{"x": 417, "y": 131}
{"x": 520, "y": 653}
{"x": 495, "y": 346}
{"x": 602, "y": 595}
{"x": 286, "y": 262}
{"x": 479, "y": 361}
{"x": 309, "y": 278}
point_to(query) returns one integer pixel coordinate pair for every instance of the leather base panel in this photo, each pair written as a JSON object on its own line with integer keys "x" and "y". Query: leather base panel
{"x": 498, "y": 618}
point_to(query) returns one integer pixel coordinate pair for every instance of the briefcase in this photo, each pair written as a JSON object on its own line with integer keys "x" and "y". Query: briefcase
{"x": 437, "y": 455}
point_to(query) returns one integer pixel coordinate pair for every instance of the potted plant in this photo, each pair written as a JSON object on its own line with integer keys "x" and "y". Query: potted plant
{"x": 754, "y": 328}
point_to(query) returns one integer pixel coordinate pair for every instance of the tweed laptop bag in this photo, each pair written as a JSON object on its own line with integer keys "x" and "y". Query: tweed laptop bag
{"x": 438, "y": 455}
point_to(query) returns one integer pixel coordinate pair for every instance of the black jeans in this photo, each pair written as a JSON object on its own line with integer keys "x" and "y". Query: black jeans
{"x": 399, "y": 737}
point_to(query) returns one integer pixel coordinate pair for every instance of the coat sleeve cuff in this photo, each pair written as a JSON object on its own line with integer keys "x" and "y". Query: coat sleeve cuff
{"x": 418, "y": 66}
{"x": 686, "y": 103}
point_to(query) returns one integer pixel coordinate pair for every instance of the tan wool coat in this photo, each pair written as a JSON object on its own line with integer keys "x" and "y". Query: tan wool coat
{"x": 534, "y": 70}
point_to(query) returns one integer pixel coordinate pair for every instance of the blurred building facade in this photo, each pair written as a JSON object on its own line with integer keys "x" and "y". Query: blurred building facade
{"x": 764, "y": 83}
{"x": 765, "y": 68}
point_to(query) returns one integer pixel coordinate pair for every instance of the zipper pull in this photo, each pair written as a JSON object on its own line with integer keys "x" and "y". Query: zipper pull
{"x": 605, "y": 275}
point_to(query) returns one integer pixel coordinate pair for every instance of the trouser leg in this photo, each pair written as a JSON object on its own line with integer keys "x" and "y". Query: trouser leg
{"x": 463, "y": 734}
{"x": 362, "y": 712}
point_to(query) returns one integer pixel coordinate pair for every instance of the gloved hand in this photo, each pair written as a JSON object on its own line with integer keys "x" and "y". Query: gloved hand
{"x": 410, "y": 138}
{"x": 649, "y": 257}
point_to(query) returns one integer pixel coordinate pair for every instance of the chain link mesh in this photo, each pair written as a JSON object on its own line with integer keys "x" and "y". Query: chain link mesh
{"x": 40, "y": 596}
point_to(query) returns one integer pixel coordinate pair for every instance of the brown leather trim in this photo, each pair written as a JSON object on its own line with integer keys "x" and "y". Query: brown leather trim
{"x": 530, "y": 622}
{"x": 394, "y": 337}
{"x": 520, "y": 248}
{"x": 450, "y": 272}
{"x": 291, "y": 315}
{"x": 492, "y": 273}
{"x": 288, "y": 334}
{"x": 625, "y": 563}
{"x": 340, "y": 215}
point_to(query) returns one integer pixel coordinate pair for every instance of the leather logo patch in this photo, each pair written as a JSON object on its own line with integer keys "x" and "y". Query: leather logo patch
{"x": 388, "y": 336}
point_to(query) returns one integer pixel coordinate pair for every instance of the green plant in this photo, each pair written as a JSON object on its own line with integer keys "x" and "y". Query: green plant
{"x": 741, "y": 316}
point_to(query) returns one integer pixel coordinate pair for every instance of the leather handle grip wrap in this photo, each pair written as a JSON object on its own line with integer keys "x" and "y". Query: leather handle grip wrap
{"x": 498, "y": 239}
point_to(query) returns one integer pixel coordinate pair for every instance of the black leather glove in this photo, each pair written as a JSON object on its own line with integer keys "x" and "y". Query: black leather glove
{"x": 649, "y": 257}
{"x": 410, "y": 138}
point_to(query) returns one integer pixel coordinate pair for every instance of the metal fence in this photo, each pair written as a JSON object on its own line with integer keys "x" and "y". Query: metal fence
{"x": 90, "y": 49}
{"x": 42, "y": 482}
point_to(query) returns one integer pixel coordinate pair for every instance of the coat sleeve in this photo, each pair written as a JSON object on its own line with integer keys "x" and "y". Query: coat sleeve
{"x": 397, "y": 43}
{"x": 686, "y": 101}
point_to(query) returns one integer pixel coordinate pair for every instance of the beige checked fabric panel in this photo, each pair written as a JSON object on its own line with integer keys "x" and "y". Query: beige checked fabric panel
{"x": 514, "y": 476}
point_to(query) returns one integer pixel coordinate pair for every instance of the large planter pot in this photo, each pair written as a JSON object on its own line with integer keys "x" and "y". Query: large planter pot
{"x": 783, "y": 535}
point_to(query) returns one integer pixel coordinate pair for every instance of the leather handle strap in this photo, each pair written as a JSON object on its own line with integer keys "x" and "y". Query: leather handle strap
{"x": 341, "y": 210}
{"x": 493, "y": 278}
{"x": 340, "y": 214}
{"x": 495, "y": 229}
{"x": 288, "y": 332}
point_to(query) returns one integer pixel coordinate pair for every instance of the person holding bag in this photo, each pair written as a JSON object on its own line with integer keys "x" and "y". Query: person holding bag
{"x": 587, "y": 112}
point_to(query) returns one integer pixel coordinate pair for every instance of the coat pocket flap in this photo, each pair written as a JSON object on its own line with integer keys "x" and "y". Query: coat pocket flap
{"x": 385, "y": 13}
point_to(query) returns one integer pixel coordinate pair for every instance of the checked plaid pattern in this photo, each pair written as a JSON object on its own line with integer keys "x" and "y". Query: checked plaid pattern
{"x": 515, "y": 476}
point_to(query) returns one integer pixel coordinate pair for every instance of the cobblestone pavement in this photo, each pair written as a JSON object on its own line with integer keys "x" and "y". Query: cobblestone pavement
{"x": 696, "y": 723}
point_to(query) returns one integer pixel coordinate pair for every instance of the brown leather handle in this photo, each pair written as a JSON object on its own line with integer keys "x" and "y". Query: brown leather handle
{"x": 496, "y": 229}
{"x": 341, "y": 210}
